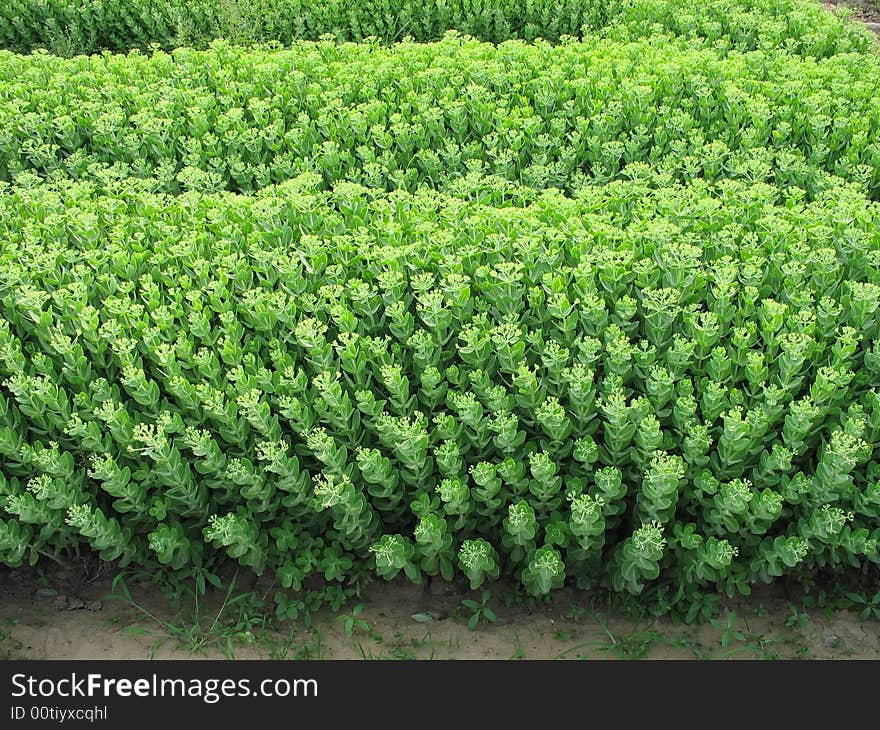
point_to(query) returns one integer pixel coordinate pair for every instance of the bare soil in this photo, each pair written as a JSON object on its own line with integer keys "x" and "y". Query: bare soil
{"x": 66, "y": 616}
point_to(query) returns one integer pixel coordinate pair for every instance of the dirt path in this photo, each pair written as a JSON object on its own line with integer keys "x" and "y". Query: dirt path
{"x": 59, "y": 618}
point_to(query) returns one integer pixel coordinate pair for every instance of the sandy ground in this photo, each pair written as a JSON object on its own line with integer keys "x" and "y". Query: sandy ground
{"x": 59, "y": 617}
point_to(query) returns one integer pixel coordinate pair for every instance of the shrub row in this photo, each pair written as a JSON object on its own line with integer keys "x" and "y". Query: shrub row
{"x": 667, "y": 390}
{"x": 429, "y": 114}
{"x": 69, "y": 27}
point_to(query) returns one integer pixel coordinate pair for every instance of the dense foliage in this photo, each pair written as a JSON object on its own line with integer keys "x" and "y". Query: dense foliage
{"x": 427, "y": 114}
{"x": 69, "y": 27}
{"x": 646, "y": 385}
{"x": 599, "y": 312}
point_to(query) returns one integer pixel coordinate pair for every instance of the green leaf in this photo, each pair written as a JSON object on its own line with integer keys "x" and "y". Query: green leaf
{"x": 424, "y": 618}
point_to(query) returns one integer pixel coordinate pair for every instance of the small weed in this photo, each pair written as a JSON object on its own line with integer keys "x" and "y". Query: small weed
{"x": 353, "y": 623}
{"x": 518, "y": 652}
{"x": 409, "y": 648}
{"x": 401, "y": 649}
{"x": 702, "y": 608}
{"x": 314, "y": 649}
{"x": 686, "y": 640}
{"x": 797, "y": 620}
{"x": 634, "y": 645}
{"x": 868, "y": 607}
{"x": 748, "y": 640}
{"x": 9, "y": 645}
{"x": 356, "y": 627}
{"x": 275, "y": 647}
{"x": 197, "y": 632}
{"x": 478, "y": 611}
{"x": 452, "y": 645}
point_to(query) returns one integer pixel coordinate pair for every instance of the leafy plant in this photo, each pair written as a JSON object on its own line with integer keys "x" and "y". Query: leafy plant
{"x": 749, "y": 641}
{"x": 867, "y": 605}
{"x": 518, "y": 651}
{"x": 352, "y": 622}
{"x": 797, "y": 620}
{"x": 478, "y": 612}
{"x": 634, "y": 645}
{"x": 598, "y": 312}
{"x": 356, "y": 628}
{"x": 239, "y": 619}
{"x": 10, "y": 647}
{"x": 69, "y": 27}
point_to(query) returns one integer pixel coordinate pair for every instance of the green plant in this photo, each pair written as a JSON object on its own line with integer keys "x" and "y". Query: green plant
{"x": 239, "y": 619}
{"x": 277, "y": 647}
{"x": 314, "y": 649}
{"x": 410, "y": 648}
{"x": 518, "y": 651}
{"x": 178, "y": 138}
{"x": 749, "y": 641}
{"x": 478, "y": 612}
{"x": 356, "y": 628}
{"x": 162, "y": 494}
{"x": 634, "y": 645}
{"x": 69, "y": 27}
{"x": 688, "y": 640}
{"x": 867, "y": 605}
{"x": 353, "y": 624}
{"x": 797, "y": 619}
{"x": 597, "y": 311}
{"x": 10, "y": 647}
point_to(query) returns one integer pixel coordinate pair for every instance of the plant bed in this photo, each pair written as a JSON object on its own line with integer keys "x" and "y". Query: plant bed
{"x": 598, "y": 314}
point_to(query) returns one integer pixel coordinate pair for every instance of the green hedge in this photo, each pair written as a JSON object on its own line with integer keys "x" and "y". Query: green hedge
{"x": 428, "y": 114}
{"x": 667, "y": 390}
{"x": 597, "y": 311}
{"x": 71, "y": 27}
